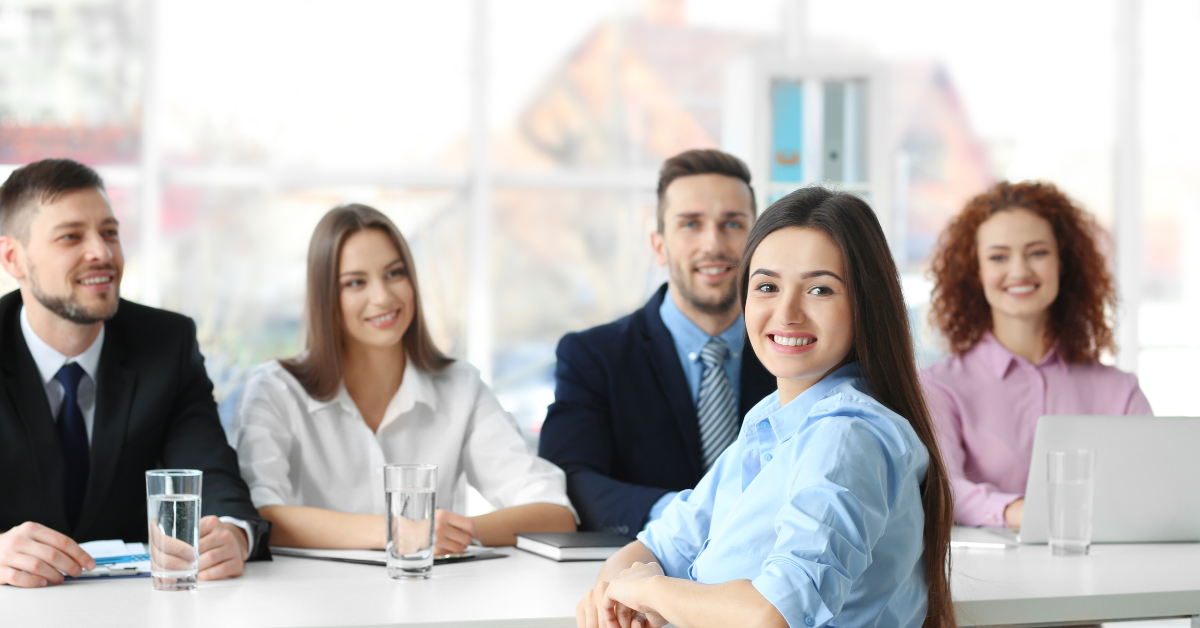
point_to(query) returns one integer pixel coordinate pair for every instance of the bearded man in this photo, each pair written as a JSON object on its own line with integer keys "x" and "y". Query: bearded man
{"x": 644, "y": 405}
{"x": 95, "y": 391}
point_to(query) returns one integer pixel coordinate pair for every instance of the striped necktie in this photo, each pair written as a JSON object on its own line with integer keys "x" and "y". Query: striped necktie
{"x": 73, "y": 438}
{"x": 717, "y": 407}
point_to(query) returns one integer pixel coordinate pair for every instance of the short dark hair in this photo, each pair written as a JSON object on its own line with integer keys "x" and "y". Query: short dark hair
{"x": 40, "y": 182}
{"x": 700, "y": 161}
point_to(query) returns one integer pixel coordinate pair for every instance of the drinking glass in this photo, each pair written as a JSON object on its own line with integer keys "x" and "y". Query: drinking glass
{"x": 411, "y": 499}
{"x": 173, "y": 516}
{"x": 1072, "y": 482}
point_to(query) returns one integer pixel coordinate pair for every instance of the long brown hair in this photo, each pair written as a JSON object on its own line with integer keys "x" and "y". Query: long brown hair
{"x": 1080, "y": 319}
{"x": 319, "y": 368}
{"x": 882, "y": 346}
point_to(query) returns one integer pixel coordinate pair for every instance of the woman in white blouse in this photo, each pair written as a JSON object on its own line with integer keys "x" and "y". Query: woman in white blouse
{"x": 314, "y": 432}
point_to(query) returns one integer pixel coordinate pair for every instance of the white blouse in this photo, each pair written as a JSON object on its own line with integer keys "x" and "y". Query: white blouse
{"x": 294, "y": 450}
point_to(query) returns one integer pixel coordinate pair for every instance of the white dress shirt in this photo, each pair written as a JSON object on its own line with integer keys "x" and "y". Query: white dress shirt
{"x": 49, "y": 361}
{"x": 297, "y": 451}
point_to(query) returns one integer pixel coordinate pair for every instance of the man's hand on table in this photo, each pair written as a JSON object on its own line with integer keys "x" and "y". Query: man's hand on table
{"x": 224, "y": 549}
{"x": 32, "y": 555}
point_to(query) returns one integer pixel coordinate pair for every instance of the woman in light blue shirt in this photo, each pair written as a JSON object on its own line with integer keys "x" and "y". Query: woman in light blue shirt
{"x": 832, "y": 507}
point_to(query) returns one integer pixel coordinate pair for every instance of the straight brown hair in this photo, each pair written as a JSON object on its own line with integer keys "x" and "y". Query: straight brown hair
{"x": 882, "y": 346}
{"x": 319, "y": 367}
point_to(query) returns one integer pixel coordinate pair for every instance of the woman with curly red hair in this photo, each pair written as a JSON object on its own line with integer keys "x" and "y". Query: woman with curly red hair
{"x": 1024, "y": 298}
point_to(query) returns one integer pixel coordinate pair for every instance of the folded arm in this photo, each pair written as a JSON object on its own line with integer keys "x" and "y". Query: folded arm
{"x": 632, "y": 591}
{"x": 196, "y": 440}
{"x": 304, "y": 526}
{"x": 975, "y": 503}
{"x": 500, "y": 527}
{"x": 577, "y": 435}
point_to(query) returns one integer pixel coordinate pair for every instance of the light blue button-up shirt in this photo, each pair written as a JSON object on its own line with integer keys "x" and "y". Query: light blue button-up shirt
{"x": 817, "y": 503}
{"x": 690, "y": 340}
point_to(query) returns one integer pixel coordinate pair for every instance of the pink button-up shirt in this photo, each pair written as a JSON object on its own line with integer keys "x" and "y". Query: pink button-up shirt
{"x": 986, "y": 402}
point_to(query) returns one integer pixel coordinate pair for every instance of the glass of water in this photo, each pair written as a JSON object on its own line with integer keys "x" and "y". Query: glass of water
{"x": 173, "y": 515}
{"x": 411, "y": 499}
{"x": 1072, "y": 481}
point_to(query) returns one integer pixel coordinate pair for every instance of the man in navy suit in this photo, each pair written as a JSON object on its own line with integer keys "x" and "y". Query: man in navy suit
{"x": 645, "y": 404}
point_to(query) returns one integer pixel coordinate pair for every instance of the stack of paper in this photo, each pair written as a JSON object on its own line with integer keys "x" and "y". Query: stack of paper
{"x": 117, "y": 558}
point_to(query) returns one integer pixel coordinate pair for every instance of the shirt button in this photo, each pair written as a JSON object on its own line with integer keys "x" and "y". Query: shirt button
{"x": 692, "y": 355}
{"x": 767, "y": 457}
{"x": 808, "y": 621}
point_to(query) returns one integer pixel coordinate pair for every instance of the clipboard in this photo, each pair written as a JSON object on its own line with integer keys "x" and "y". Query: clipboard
{"x": 379, "y": 557}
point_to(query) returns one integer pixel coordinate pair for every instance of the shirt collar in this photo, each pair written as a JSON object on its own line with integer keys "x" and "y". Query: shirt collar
{"x": 49, "y": 360}
{"x": 999, "y": 360}
{"x": 415, "y": 387}
{"x": 786, "y": 421}
{"x": 688, "y": 336}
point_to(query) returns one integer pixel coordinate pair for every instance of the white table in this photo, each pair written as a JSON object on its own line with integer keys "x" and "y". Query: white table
{"x": 1021, "y": 586}
{"x": 1027, "y": 586}
{"x": 524, "y": 589}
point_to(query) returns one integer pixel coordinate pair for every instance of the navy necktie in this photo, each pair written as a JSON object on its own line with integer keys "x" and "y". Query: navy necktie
{"x": 73, "y": 438}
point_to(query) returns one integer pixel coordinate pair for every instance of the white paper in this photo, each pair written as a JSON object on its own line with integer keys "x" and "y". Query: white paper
{"x": 112, "y": 548}
{"x": 108, "y": 549}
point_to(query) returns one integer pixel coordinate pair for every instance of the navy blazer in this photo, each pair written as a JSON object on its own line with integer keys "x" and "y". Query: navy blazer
{"x": 623, "y": 425}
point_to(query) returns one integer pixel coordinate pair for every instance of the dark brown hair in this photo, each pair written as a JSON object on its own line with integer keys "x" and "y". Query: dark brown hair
{"x": 319, "y": 368}
{"x": 882, "y": 347}
{"x": 1079, "y": 321}
{"x": 40, "y": 182}
{"x": 700, "y": 161}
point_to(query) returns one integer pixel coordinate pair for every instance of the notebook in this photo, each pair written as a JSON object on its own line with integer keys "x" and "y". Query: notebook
{"x": 564, "y": 546}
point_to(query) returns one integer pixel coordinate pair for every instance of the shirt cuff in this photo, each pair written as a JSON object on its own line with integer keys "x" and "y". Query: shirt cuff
{"x": 792, "y": 592}
{"x": 659, "y": 506}
{"x": 245, "y": 526}
{"x": 993, "y": 509}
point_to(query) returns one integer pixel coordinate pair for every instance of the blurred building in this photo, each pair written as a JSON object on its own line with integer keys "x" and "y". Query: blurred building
{"x": 70, "y": 81}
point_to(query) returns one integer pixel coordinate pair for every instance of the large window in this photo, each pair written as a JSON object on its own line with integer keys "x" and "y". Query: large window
{"x": 515, "y": 143}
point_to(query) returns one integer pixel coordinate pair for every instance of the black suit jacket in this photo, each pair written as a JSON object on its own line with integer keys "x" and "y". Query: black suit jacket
{"x": 623, "y": 425}
{"x": 154, "y": 410}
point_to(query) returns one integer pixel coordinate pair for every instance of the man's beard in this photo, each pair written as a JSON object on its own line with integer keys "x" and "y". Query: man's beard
{"x": 722, "y": 305}
{"x": 67, "y": 307}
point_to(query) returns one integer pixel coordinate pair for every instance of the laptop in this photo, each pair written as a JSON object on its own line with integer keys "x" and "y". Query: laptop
{"x": 1147, "y": 477}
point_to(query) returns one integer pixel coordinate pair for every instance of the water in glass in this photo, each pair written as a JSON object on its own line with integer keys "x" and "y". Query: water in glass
{"x": 1070, "y": 517}
{"x": 174, "y": 539}
{"x": 410, "y": 532}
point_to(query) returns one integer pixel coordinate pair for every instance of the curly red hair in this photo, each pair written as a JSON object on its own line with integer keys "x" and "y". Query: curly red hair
{"x": 1080, "y": 318}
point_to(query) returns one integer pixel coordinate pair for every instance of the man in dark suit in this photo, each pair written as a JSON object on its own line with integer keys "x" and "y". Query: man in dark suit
{"x": 94, "y": 391}
{"x": 644, "y": 405}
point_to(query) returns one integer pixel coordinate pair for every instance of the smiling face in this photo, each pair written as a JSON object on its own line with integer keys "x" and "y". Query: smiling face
{"x": 799, "y": 317}
{"x": 706, "y": 220}
{"x": 1018, "y": 264}
{"x": 71, "y": 262}
{"x": 377, "y": 299}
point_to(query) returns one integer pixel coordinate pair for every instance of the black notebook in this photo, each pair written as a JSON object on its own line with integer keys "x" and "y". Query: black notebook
{"x": 562, "y": 546}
